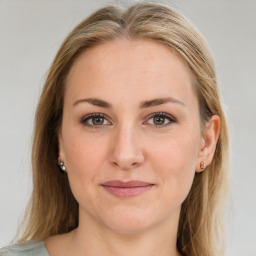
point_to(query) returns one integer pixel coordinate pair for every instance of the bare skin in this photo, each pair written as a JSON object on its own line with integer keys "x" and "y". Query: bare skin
{"x": 130, "y": 137}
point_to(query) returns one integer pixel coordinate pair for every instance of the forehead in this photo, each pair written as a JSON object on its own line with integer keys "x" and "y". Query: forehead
{"x": 137, "y": 68}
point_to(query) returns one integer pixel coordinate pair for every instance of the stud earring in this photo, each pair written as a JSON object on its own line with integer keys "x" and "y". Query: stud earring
{"x": 202, "y": 165}
{"x": 61, "y": 165}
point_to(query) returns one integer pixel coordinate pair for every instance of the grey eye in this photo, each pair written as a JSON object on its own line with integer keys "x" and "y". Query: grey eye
{"x": 161, "y": 119}
{"x": 97, "y": 120}
{"x": 158, "y": 120}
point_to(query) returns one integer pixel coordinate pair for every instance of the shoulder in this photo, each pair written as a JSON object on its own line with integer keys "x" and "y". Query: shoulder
{"x": 30, "y": 248}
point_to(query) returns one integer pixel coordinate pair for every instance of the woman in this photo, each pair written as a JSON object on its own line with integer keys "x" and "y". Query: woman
{"x": 130, "y": 152}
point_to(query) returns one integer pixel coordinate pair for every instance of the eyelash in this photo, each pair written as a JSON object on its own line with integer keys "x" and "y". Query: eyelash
{"x": 162, "y": 115}
{"x": 157, "y": 114}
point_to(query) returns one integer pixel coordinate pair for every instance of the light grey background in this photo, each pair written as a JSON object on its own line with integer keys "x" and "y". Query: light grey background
{"x": 31, "y": 32}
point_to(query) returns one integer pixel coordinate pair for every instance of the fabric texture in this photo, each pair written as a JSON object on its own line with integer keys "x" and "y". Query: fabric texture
{"x": 31, "y": 248}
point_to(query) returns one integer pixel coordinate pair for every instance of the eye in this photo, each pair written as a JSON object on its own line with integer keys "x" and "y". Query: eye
{"x": 95, "y": 120}
{"x": 160, "y": 119}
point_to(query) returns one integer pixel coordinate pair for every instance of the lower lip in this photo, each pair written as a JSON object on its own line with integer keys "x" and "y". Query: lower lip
{"x": 127, "y": 191}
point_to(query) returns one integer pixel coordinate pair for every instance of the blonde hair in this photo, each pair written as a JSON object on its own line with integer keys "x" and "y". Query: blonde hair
{"x": 52, "y": 208}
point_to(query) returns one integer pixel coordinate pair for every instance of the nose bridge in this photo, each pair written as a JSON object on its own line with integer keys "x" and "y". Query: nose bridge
{"x": 126, "y": 151}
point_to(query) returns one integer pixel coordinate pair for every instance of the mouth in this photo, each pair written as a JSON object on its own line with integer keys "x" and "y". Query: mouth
{"x": 126, "y": 189}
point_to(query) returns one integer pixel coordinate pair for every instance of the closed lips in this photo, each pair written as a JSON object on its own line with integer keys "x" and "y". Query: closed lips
{"x": 128, "y": 184}
{"x": 127, "y": 189}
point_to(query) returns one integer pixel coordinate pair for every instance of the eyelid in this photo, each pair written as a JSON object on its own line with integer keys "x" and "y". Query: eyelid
{"x": 89, "y": 116}
{"x": 164, "y": 115}
{"x": 160, "y": 114}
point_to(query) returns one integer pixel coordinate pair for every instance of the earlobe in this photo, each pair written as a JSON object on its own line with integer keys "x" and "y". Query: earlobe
{"x": 209, "y": 142}
{"x": 60, "y": 146}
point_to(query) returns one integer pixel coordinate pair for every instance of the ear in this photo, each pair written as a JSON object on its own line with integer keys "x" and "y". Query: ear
{"x": 61, "y": 155}
{"x": 208, "y": 142}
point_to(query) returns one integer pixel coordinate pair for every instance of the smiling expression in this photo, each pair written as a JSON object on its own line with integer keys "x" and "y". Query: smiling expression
{"x": 130, "y": 115}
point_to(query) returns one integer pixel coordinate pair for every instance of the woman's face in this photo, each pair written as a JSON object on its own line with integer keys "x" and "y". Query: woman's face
{"x": 130, "y": 115}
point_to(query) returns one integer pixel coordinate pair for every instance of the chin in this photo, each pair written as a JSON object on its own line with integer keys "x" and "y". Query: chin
{"x": 130, "y": 221}
{"x": 128, "y": 227}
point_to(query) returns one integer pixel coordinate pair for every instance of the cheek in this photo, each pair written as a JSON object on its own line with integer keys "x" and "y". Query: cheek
{"x": 175, "y": 162}
{"x": 83, "y": 158}
{"x": 83, "y": 153}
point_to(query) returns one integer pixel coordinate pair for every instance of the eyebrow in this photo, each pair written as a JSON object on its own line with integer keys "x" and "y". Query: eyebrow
{"x": 94, "y": 101}
{"x": 145, "y": 104}
{"x": 159, "y": 101}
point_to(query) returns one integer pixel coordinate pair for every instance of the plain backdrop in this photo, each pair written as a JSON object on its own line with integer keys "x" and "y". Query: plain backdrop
{"x": 31, "y": 32}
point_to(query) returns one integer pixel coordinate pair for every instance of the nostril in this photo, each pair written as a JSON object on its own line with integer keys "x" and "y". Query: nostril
{"x": 125, "y": 166}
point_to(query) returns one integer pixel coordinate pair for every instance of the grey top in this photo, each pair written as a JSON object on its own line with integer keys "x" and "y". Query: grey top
{"x": 31, "y": 248}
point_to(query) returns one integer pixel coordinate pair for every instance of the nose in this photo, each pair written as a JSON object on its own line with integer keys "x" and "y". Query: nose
{"x": 126, "y": 150}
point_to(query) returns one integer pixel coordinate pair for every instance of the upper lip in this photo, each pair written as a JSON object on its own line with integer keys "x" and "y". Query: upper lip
{"x": 126, "y": 184}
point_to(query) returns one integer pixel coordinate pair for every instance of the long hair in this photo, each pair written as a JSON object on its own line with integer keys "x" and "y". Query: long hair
{"x": 52, "y": 208}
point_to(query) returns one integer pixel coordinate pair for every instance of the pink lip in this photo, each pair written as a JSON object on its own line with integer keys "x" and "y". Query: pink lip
{"x": 127, "y": 189}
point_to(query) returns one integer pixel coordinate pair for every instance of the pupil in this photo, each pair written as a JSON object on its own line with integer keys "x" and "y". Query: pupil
{"x": 159, "y": 120}
{"x": 97, "y": 120}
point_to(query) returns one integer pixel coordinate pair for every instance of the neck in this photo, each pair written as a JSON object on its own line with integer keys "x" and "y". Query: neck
{"x": 90, "y": 240}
